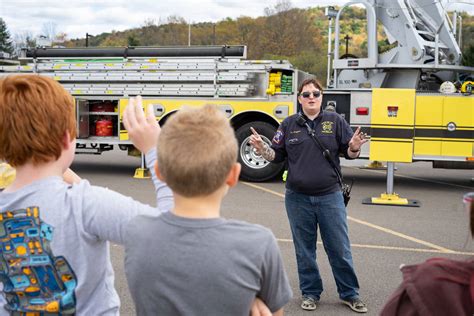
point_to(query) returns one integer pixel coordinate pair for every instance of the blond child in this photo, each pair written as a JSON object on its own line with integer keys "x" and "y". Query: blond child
{"x": 191, "y": 261}
{"x": 55, "y": 236}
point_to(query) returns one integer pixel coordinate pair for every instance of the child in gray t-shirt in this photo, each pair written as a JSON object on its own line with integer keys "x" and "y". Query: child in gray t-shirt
{"x": 191, "y": 261}
{"x": 54, "y": 236}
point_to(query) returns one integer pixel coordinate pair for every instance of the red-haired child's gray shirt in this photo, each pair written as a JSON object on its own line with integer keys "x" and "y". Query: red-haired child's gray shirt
{"x": 84, "y": 218}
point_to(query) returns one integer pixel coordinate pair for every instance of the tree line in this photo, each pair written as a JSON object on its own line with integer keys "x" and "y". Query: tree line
{"x": 298, "y": 35}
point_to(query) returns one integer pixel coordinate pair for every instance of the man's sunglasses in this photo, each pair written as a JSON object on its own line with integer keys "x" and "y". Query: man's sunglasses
{"x": 307, "y": 94}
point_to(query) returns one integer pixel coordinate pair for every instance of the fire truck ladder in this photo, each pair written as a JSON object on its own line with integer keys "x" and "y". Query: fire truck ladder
{"x": 183, "y": 71}
{"x": 196, "y": 72}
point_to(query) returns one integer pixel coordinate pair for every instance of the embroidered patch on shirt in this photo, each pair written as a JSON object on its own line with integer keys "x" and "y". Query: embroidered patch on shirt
{"x": 278, "y": 137}
{"x": 327, "y": 127}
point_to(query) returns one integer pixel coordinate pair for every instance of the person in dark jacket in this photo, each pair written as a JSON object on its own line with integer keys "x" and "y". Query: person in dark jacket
{"x": 313, "y": 195}
{"x": 436, "y": 287}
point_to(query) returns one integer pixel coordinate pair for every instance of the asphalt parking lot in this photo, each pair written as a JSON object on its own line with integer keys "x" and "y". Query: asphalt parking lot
{"x": 382, "y": 237}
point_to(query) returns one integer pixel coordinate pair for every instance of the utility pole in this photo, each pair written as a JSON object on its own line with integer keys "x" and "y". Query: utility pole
{"x": 189, "y": 34}
{"x": 347, "y": 38}
{"x": 214, "y": 34}
{"x": 87, "y": 39}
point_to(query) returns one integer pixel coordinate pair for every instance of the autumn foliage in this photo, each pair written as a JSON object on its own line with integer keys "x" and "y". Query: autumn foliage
{"x": 298, "y": 35}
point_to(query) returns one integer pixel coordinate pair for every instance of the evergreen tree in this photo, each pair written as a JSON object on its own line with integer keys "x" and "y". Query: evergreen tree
{"x": 5, "y": 40}
{"x": 132, "y": 40}
{"x": 468, "y": 56}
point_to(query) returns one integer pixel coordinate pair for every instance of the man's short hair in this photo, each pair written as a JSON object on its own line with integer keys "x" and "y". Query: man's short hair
{"x": 196, "y": 150}
{"x": 312, "y": 81}
{"x": 35, "y": 114}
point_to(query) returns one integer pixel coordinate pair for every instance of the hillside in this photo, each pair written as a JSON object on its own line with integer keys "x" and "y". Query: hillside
{"x": 299, "y": 35}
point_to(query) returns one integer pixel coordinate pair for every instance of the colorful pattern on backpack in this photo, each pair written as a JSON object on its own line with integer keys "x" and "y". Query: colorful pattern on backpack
{"x": 34, "y": 280}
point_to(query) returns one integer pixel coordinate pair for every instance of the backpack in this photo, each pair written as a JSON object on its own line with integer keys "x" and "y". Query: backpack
{"x": 34, "y": 280}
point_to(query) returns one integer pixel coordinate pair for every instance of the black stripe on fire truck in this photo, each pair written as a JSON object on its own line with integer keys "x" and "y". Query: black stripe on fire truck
{"x": 453, "y": 140}
{"x": 443, "y": 133}
{"x": 391, "y": 140}
{"x": 363, "y": 129}
{"x": 397, "y": 125}
{"x": 392, "y": 133}
{"x": 425, "y": 133}
{"x": 443, "y": 126}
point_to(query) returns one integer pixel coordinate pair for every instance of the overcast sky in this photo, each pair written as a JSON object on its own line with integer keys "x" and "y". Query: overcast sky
{"x": 76, "y": 17}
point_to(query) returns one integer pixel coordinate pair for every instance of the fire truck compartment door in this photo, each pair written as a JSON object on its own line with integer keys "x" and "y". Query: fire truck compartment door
{"x": 444, "y": 126}
{"x": 392, "y": 125}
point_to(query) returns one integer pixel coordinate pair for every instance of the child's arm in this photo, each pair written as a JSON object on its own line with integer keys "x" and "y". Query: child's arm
{"x": 108, "y": 213}
{"x": 259, "y": 308}
{"x": 275, "y": 289}
{"x": 164, "y": 195}
{"x": 7, "y": 175}
{"x": 144, "y": 131}
{"x": 71, "y": 177}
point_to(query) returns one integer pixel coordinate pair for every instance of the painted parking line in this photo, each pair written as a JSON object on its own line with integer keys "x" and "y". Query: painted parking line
{"x": 411, "y": 177}
{"x": 462, "y": 253}
{"x": 435, "y": 248}
{"x": 395, "y": 233}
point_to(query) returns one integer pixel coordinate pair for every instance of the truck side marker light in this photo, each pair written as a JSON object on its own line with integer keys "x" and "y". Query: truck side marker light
{"x": 362, "y": 111}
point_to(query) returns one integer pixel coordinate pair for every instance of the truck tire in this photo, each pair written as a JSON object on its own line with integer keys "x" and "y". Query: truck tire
{"x": 254, "y": 167}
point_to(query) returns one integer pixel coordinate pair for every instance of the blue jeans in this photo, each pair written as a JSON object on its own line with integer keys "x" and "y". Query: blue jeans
{"x": 306, "y": 213}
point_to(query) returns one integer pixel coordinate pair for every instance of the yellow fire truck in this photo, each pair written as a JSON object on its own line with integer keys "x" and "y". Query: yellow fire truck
{"x": 251, "y": 93}
{"x": 394, "y": 96}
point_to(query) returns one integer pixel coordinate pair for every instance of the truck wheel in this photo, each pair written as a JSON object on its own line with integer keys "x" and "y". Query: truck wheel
{"x": 255, "y": 167}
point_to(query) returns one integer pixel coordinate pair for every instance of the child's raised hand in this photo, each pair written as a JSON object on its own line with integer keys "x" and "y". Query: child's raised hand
{"x": 143, "y": 130}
